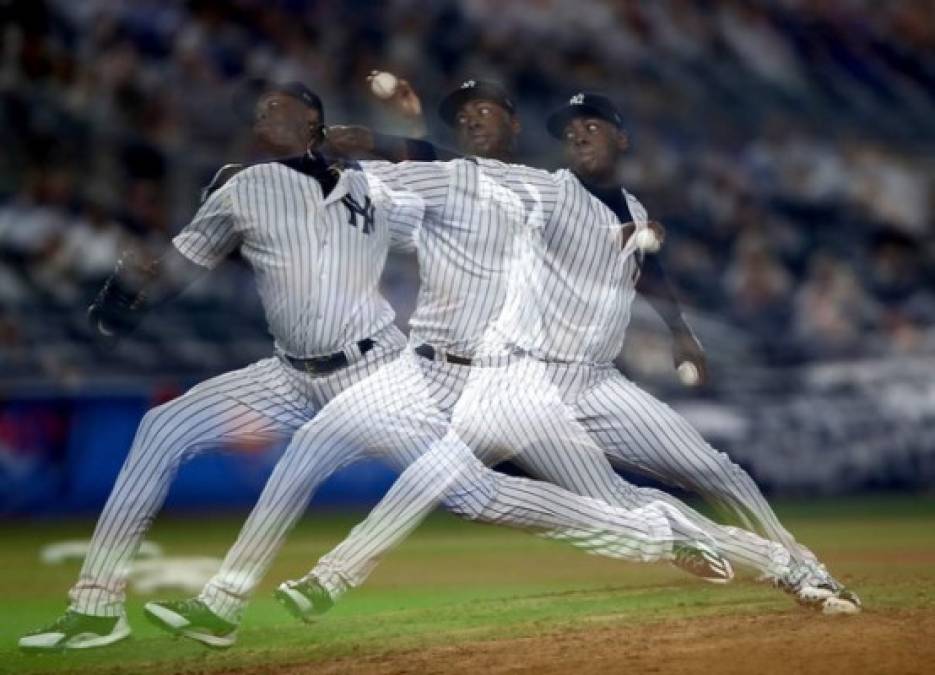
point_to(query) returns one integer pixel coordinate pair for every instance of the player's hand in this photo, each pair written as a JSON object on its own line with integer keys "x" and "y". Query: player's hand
{"x": 659, "y": 230}
{"x": 404, "y": 101}
{"x": 686, "y": 347}
{"x": 348, "y": 141}
{"x": 629, "y": 230}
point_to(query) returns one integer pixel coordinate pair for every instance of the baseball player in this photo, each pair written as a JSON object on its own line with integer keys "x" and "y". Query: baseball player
{"x": 468, "y": 261}
{"x": 317, "y": 245}
{"x": 572, "y": 320}
{"x": 317, "y": 237}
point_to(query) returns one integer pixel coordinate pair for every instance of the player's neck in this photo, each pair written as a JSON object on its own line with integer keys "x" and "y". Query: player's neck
{"x": 609, "y": 181}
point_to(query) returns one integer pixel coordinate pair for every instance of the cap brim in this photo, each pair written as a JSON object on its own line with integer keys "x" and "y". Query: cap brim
{"x": 558, "y": 120}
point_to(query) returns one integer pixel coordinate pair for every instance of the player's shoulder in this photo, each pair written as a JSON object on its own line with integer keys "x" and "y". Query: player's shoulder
{"x": 513, "y": 171}
{"x": 568, "y": 185}
{"x": 242, "y": 174}
{"x": 221, "y": 178}
{"x": 565, "y": 176}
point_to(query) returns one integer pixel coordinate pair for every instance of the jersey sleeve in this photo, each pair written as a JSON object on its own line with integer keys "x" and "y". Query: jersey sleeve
{"x": 212, "y": 233}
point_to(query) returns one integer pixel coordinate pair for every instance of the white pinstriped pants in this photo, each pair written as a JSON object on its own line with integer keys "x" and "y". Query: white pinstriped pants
{"x": 400, "y": 413}
{"x": 265, "y": 402}
{"x": 605, "y": 416}
{"x": 560, "y": 423}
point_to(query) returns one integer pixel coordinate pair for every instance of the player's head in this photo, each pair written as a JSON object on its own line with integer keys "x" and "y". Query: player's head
{"x": 591, "y": 130}
{"x": 483, "y": 118}
{"x": 288, "y": 119}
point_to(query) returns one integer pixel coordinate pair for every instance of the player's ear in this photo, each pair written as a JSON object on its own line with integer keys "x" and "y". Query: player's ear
{"x": 315, "y": 129}
{"x": 515, "y": 125}
{"x": 623, "y": 141}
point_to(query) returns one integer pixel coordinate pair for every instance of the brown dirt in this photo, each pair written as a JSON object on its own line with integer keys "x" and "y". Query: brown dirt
{"x": 895, "y": 641}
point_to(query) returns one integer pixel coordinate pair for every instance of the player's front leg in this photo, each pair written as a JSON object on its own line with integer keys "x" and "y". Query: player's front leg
{"x": 213, "y": 617}
{"x": 646, "y": 436}
{"x": 450, "y": 473}
{"x": 205, "y": 416}
{"x": 365, "y": 419}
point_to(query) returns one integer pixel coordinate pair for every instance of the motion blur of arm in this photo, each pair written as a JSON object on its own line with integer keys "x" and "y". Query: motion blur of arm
{"x": 358, "y": 141}
{"x": 354, "y": 142}
{"x": 405, "y": 104}
{"x": 655, "y": 285}
{"x": 141, "y": 281}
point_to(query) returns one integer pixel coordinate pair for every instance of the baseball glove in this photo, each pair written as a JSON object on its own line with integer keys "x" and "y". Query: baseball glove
{"x": 122, "y": 303}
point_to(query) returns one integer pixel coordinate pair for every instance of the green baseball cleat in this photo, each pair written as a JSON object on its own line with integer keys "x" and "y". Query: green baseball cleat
{"x": 74, "y": 630}
{"x": 304, "y": 599}
{"x": 192, "y": 619}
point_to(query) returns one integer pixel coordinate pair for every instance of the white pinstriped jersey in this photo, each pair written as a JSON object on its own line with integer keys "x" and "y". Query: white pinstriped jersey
{"x": 581, "y": 283}
{"x": 478, "y": 216}
{"x": 317, "y": 260}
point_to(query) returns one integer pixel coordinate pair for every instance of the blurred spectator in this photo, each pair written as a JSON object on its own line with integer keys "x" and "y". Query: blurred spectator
{"x": 831, "y": 309}
{"x": 761, "y": 130}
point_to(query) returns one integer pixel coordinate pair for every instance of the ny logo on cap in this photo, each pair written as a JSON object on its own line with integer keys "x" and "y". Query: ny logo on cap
{"x": 577, "y": 99}
{"x": 468, "y": 84}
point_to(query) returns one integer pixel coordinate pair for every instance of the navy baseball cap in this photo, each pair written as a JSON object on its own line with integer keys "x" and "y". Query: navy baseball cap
{"x": 472, "y": 90}
{"x": 245, "y": 101}
{"x": 583, "y": 105}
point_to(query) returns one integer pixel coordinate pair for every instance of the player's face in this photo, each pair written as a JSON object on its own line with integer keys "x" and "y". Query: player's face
{"x": 592, "y": 147}
{"x": 486, "y": 129}
{"x": 283, "y": 124}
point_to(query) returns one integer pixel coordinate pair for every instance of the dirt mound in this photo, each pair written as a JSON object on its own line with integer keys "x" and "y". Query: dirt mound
{"x": 794, "y": 642}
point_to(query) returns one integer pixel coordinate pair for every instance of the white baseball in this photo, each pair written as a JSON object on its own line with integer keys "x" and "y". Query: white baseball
{"x": 646, "y": 240}
{"x": 688, "y": 373}
{"x": 383, "y": 84}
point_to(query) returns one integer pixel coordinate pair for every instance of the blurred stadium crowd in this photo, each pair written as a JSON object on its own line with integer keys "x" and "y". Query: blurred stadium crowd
{"x": 787, "y": 145}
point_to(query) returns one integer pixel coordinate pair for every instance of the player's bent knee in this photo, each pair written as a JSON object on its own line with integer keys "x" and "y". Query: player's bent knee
{"x": 472, "y": 503}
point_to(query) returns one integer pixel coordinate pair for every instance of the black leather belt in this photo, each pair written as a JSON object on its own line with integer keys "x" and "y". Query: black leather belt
{"x": 429, "y": 352}
{"x": 323, "y": 365}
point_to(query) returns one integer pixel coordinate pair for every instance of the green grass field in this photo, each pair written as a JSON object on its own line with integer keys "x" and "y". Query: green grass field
{"x": 460, "y": 584}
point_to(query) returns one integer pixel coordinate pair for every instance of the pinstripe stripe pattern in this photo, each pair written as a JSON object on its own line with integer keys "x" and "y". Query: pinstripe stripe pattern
{"x": 530, "y": 267}
{"x": 475, "y": 214}
{"x": 402, "y": 414}
{"x": 579, "y": 288}
{"x": 564, "y": 420}
{"x": 580, "y": 281}
{"x": 262, "y": 403}
{"x": 317, "y": 268}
